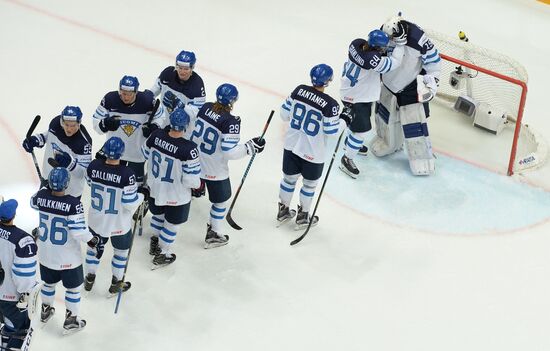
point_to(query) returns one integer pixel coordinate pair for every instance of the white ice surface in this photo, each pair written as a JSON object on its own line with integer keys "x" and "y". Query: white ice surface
{"x": 458, "y": 261}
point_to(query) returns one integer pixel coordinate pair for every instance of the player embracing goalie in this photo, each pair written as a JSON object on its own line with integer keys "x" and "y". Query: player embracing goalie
{"x": 403, "y": 106}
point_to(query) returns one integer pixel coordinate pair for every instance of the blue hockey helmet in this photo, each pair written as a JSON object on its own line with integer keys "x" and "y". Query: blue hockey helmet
{"x": 321, "y": 75}
{"x": 129, "y": 83}
{"x": 71, "y": 114}
{"x": 378, "y": 39}
{"x": 179, "y": 120}
{"x": 227, "y": 94}
{"x": 7, "y": 210}
{"x": 186, "y": 59}
{"x": 59, "y": 179}
{"x": 114, "y": 148}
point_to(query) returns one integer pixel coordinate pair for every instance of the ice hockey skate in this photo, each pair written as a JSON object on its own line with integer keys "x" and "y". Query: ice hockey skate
{"x": 348, "y": 166}
{"x": 154, "y": 248}
{"x": 46, "y": 313}
{"x": 284, "y": 214}
{"x": 162, "y": 260}
{"x": 72, "y": 323}
{"x": 89, "y": 281}
{"x": 302, "y": 219}
{"x": 213, "y": 239}
{"x": 117, "y": 285}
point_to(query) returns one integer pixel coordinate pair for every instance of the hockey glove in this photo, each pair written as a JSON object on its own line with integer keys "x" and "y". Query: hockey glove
{"x": 23, "y": 302}
{"x": 145, "y": 191}
{"x": 171, "y": 101}
{"x": 200, "y": 191}
{"x": 347, "y": 113}
{"x": 97, "y": 245}
{"x": 148, "y": 128}
{"x": 400, "y": 35}
{"x": 109, "y": 124}
{"x": 100, "y": 155}
{"x": 426, "y": 87}
{"x": 64, "y": 160}
{"x": 30, "y": 143}
{"x": 255, "y": 146}
{"x": 35, "y": 233}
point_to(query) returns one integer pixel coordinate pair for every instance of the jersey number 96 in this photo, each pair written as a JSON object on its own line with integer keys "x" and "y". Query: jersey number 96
{"x": 308, "y": 120}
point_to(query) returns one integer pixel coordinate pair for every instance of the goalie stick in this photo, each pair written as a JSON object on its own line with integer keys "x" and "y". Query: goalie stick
{"x": 297, "y": 240}
{"x": 228, "y": 217}
{"x": 34, "y": 123}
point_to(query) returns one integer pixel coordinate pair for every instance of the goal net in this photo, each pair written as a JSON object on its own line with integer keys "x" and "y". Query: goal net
{"x": 492, "y": 89}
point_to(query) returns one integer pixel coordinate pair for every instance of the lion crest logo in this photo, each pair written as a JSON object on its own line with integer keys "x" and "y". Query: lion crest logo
{"x": 129, "y": 126}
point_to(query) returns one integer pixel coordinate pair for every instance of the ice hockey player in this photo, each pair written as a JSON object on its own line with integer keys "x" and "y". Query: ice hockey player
{"x": 114, "y": 198}
{"x": 68, "y": 145}
{"x": 17, "y": 277}
{"x": 62, "y": 229}
{"x": 403, "y": 106}
{"x": 180, "y": 83}
{"x": 173, "y": 169}
{"x": 313, "y": 117}
{"x": 360, "y": 87}
{"x": 129, "y": 114}
{"x": 217, "y": 134}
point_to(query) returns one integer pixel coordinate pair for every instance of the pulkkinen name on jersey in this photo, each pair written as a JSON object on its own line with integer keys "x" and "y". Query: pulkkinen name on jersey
{"x": 110, "y": 177}
{"x": 56, "y": 205}
{"x": 166, "y": 145}
{"x": 311, "y": 96}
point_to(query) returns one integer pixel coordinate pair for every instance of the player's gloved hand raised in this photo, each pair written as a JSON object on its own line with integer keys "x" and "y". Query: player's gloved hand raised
{"x": 30, "y": 143}
{"x": 63, "y": 159}
{"x": 400, "y": 34}
{"x": 148, "y": 128}
{"x": 109, "y": 123}
{"x": 200, "y": 191}
{"x": 171, "y": 101}
{"x": 347, "y": 113}
{"x": 255, "y": 145}
{"x": 145, "y": 191}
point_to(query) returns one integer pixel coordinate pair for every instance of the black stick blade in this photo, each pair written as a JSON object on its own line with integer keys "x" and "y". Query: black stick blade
{"x": 34, "y": 123}
{"x": 232, "y": 222}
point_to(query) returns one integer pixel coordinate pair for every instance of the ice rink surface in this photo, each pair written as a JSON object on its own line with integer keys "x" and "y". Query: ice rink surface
{"x": 458, "y": 261}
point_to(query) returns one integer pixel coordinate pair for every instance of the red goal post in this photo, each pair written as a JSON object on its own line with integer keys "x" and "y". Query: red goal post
{"x": 495, "y": 79}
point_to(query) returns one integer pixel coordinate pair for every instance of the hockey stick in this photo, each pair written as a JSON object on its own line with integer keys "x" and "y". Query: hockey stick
{"x": 228, "y": 217}
{"x": 297, "y": 240}
{"x": 121, "y": 283}
{"x": 34, "y": 123}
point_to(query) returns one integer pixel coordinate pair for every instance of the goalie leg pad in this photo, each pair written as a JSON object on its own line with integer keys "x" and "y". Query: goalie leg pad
{"x": 417, "y": 139}
{"x": 389, "y": 135}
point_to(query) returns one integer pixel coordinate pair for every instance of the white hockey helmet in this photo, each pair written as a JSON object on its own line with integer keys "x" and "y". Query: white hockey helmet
{"x": 390, "y": 26}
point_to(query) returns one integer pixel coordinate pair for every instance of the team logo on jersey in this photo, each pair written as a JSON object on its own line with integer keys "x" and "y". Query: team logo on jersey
{"x": 56, "y": 149}
{"x": 129, "y": 126}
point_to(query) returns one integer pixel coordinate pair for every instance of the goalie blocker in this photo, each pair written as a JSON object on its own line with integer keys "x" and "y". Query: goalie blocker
{"x": 401, "y": 119}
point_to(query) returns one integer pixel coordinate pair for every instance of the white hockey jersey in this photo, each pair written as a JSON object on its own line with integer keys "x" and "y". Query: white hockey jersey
{"x": 173, "y": 168}
{"x": 421, "y": 57}
{"x": 79, "y": 146}
{"x": 190, "y": 91}
{"x": 18, "y": 258}
{"x": 361, "y": 75}
{"x": 132, "y": 118}
{"x": 114, "y": 198}
{"x": 62, "y": 229}
{"x": 217, "y": 136}
{"x": 313, "y": 117}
